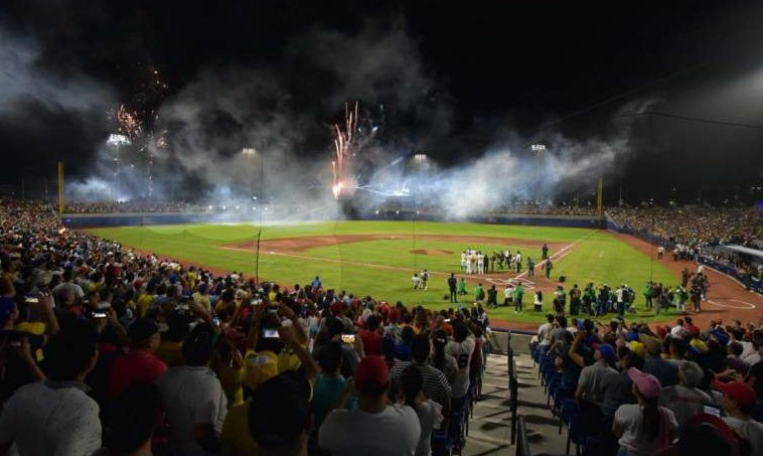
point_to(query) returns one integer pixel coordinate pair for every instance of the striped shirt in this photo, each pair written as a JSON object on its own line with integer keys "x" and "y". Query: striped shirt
{"x": 435, "y": 387}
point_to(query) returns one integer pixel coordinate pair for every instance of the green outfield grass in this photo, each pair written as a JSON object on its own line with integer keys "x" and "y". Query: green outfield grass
{"x": 382, "y": 268}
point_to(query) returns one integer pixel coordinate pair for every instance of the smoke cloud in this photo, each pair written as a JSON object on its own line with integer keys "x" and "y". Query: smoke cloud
{"x": 279, "y": 113}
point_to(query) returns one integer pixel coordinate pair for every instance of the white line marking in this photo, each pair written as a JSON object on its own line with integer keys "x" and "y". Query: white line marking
{"x": 747, "y": 305}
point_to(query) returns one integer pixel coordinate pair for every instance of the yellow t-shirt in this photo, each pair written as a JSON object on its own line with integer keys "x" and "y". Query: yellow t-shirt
{"x": 202, "y": 300}
{"x": 231, "y": 379}
{"x": 698, "y": 344}
{"x": 236, "y": 439}
{"x": 33, "y": 327}
{"x": 171, "y": 352}
{"x": 638, "y": 348}
{"x": 145, "y": 301}
{"x": 262, "y": 366}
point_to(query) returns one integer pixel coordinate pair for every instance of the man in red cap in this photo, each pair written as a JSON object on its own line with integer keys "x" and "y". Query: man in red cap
{"x": 374, "y": 427}
{"x": 739, "y": 402}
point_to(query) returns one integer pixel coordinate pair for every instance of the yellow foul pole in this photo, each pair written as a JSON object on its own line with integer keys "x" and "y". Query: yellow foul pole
{"x": 600, "y": 201}
{"x": 60, "y": 188}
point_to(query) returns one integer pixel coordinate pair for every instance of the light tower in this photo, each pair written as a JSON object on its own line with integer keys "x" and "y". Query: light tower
{"x": 117, "y": 140}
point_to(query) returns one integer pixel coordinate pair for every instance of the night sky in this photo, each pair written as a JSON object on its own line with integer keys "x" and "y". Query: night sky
{"x": 527, "y": 67}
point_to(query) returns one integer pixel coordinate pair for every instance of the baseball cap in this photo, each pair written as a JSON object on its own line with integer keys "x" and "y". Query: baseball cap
{"x": 647, "y": 384}
{"x": 279, "y": 411}
{"x": 141, "y": 331}
{"x": 606, "y": 350}
{"x": 372, "y": 369}
{"x": 337, "y": 307}
{"x": 742, "y": 393}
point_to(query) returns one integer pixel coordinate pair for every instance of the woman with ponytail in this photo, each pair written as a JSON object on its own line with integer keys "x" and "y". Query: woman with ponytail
{"x": 428, "y": 411}
{"x": 644, "y": 428}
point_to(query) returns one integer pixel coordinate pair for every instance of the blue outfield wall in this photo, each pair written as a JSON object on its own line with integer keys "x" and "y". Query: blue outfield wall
{"x": 76, "y": 221}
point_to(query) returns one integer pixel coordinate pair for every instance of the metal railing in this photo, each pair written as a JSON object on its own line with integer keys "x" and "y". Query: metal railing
{"x": 513, "y": 388}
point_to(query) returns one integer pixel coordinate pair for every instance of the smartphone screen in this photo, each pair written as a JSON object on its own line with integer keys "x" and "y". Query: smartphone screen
{"x": 99, "y": 315}
{"x": 711, "y": 410}
{"x": 348, "y": 338}
{"x": 270, "y": 333}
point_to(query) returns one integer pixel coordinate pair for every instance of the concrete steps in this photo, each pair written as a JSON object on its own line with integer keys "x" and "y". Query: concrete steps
{"x": 490, "y": 427}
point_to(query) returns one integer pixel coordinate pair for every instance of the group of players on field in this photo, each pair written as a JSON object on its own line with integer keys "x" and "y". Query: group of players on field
{"x": 592, "y": 300}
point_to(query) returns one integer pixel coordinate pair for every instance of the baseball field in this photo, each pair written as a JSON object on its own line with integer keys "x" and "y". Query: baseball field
{"x": 378, "y": 258}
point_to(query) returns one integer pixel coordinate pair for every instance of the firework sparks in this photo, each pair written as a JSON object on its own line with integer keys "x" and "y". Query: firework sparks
{"x": 128, "y": 122}
{"x": 139, "y": 122}
{"x": 344, "y": 145}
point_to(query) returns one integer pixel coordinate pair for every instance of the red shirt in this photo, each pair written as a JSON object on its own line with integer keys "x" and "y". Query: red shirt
{"x": 137, "y": 366}
{"x": 372, "y": 342}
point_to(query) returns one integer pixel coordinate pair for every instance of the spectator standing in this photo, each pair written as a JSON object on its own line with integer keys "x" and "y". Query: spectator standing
{"x": 139, "y": 364}
{"x": 56, "y": 416}
{"x": 371, "y": 426}
{"x": 194, "y": 398}
{"x": 428, "y": 411}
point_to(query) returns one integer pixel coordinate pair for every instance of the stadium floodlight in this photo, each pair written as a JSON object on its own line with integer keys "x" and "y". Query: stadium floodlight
{"x": 249, "y": 151}
{"x": 420, "y": 157}
{"x": 538, "y": 147}
{"x": 118, "y": 140}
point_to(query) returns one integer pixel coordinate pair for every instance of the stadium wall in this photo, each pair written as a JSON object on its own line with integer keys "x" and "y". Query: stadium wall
{"x": 77, "y": 221}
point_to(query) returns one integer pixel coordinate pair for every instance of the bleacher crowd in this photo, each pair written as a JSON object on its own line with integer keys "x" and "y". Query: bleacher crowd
{"x": 695, "y": 227}
{"x": 106, "y": 351}
{"x": 675, "y": 389}
{"x": 133, "y": 206}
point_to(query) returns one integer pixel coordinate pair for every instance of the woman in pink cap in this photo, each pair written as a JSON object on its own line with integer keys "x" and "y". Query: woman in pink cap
{"x": 643, "y": 428}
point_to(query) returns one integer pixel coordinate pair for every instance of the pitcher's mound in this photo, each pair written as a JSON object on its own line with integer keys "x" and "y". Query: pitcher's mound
{"x": 431, "y": 252}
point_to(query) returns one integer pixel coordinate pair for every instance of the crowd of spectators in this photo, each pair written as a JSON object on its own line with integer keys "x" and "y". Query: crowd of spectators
{"x": 132, "y": 206}
{"x": 636, "y": 391}
{"x": 695, "y": 227}
{"x": 109, "y": 352}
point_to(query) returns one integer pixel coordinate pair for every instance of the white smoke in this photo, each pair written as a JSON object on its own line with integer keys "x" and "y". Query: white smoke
{"x": 22, "y": 79}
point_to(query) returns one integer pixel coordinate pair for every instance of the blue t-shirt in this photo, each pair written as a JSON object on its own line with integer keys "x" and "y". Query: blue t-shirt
{"x": 328, "y": 390}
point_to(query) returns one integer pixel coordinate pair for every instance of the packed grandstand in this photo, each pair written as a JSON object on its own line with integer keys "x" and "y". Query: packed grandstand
{"x": 100, "y": 344}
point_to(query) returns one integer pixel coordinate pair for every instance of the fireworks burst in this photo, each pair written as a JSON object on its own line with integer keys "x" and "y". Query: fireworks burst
{"x": 344, "y": 184}
{"x": 128, "y": 122}
{"x": 139, "y": 121}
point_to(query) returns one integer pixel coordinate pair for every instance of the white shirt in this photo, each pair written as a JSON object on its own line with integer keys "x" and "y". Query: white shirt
{"x": 630, "y": 418}
{"x": 51, "y": 419}
{"x": 191, "y": 396}
{"x": 430, "y": 417}
{"x": 544, "y": 332}
{"x": 508, "y": 292}
{"x": 752, "y": 431}
{"x": 462, "y": 351}
{"x": 393, "y": 432}
{"x": 748, "y": 349}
